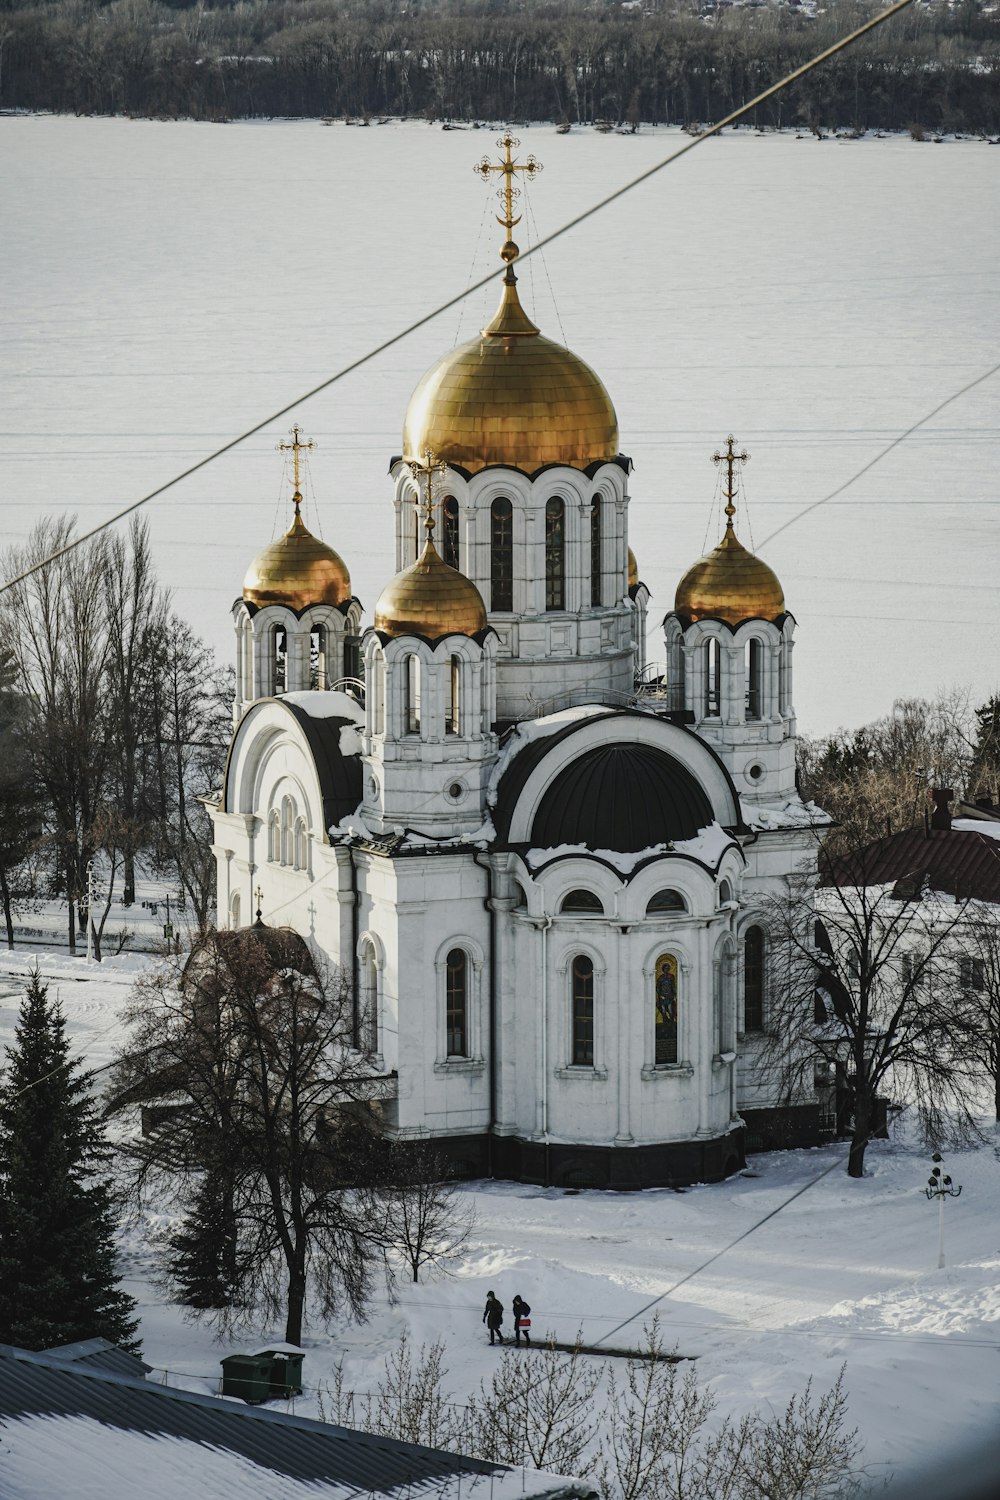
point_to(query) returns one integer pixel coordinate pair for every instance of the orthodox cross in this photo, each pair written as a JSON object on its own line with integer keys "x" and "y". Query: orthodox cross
{"x": 508, "y": 191}
{"x": 295, "y": 448}
{"x": 730, "y": 458}
{"x": 428, "y": 468}
{"x": 260, "y": 899}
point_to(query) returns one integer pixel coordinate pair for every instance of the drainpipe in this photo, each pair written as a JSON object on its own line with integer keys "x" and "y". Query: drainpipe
{"x": 543, "y": 924}
{"x": 355, "y": 996}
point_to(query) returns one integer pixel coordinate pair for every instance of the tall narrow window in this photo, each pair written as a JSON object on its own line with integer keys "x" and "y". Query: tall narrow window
{"x": 413, "y": 694}
{"x": 234, "y": 913}
{"x": 369, "y": 994}
{"x": 449, "y": 531}
{"x": 453, "y": 723}
{"x": 501, "y": 555}
{"x": 280, "y": 660}
{"x": 300, "y": 844}
{"x": 287, "y": 831}
{"x": 583, "y": 1012}
{"x": 380, "y": 694}
{"x": 753, "y": 979}
{"x": 456, "y": 1003}
{"x": 713, "y": 673}
{"x": 751, "y": 691}
{"x": 555, "y": 553}
{"x": 317, "y": 658}
{"x": 274, "y": 836}
{"x": 665, "y": 1010}
{"x": 595, "y": 551}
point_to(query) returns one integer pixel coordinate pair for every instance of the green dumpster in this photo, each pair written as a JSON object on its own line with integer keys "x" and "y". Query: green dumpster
{"x": 286, "y": 1370}
{"x": 247, "y": 1375}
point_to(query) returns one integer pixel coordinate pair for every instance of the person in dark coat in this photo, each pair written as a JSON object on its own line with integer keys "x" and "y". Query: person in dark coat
{"x": 522, "y": 1319}
{"x": 493, "y": 1316}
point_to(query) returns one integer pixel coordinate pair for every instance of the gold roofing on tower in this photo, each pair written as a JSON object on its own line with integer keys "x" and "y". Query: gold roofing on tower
{"x": 730, "y": 584}
{"x": 429, "y": 598}
{"x": 511, "y": 396}
{"x": 298, "y": 569}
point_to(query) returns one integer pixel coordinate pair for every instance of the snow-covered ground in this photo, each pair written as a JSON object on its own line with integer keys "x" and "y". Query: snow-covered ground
{"x": 845, "y": 1274}
{"x": 165, "y": 285}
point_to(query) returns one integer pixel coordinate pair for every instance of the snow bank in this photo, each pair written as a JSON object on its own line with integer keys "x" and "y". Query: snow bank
{"x": 537, "y": 729}
{"x": 327, "y": 705}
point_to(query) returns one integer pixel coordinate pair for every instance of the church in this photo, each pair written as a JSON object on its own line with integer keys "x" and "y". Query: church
{"x": 540, "y": 864}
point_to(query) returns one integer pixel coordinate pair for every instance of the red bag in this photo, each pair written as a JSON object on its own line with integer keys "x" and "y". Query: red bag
{"x": 524, "y": 1322}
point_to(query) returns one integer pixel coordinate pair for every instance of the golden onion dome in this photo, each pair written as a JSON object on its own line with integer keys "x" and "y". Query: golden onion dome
{"x": 430, "y": 599}
{"x": 730, "y": 584}
{"x": 633, "y": 570}
{"x": 297, "y": 570}
{"x": 511, "y": 397}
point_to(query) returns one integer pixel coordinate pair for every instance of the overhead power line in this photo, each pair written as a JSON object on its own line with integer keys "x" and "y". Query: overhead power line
{"x": 443, "y": 307}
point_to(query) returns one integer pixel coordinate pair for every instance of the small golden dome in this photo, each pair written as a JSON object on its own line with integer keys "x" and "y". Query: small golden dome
{"x": 633, "y": 570}
{"x": 730, "y": 584}
{"x": 297, "y": 570}
{"x": 511, "y": 397}
{"x": 430, "y": 599}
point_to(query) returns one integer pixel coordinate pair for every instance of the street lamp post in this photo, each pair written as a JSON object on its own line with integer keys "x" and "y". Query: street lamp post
{"x": 940, "y": 1187}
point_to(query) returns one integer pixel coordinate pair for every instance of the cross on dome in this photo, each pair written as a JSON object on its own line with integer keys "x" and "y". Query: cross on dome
{"x": 428, "y": 468}
{"x": 730, "y": 458}
{"x": 508, "y": 191}
{"x": 295, "y": 448}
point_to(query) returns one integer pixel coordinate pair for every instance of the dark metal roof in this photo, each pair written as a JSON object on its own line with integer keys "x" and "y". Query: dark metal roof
{"x": 42, "y": 1384}
{"x": 623, "y": 797}
{"x": 957, "y": 862}
{"x": 339, "y": 775}
{"x": 618, "y": 795}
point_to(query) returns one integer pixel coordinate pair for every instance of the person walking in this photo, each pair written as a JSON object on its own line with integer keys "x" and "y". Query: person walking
{"x": 522, "y": 1319}
{"x": 493, "y": 1316}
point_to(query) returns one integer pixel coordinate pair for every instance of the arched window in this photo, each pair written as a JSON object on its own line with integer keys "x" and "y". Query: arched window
{"x": 753, "y": 979}
{"x": 665, "y": 901}
{"x": 449, "y": 531}
{"x": 287, "y": 831}
{"x": 456, "y": 1003}
{"x": 413, "y": 694}
{"x": 665, "y": 1010}
{"x": 368, "y": 1020}
{"x": 725, "y": 893}
{"x": 300, "y": 844}
{"x": 380, "y": 694}
{"x": 279, "y": 659}
{"x": 453, "y": 723}
{"x": 234, "y": 912}
{"x": 713, "y": 675}
{"x": 273, "y": 836}
{"x": 555, "y": 553}
{"x": 581, "y": 900}
{"x": 751, "y": 680}
{"x": 582, "y": 971}
{"x": 501, "y": 555}
{"x": 595, "y": 551}
{"x": 318, "y": 658}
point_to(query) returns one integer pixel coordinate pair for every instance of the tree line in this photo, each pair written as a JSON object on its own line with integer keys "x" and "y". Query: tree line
{"x": 663, "y": 62}
{"x": 113, "y": 720}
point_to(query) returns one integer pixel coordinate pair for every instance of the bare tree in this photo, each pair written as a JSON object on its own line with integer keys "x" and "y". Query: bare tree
{"x": 537, "y": 1409}
{"x": 978, "y": 965}
{"x": 430, "y": 1219}
{"x": 869, "y": 997}
{"x": 20, "y": 808}
{"x": 250, "y": 1044}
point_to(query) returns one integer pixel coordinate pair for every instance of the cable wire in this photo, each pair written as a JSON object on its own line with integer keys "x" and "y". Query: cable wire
{"x": 459, "y": 297}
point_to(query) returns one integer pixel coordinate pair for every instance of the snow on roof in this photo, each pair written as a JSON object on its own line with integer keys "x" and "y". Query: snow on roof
{"x": 537, "y": 729}
{"x": 986, "y": 827}
{"x": 73, "y": 1430}
{"x": 794, "y": 814}
{"x": 708, "y": 846}
{"x": 327, "y": 705}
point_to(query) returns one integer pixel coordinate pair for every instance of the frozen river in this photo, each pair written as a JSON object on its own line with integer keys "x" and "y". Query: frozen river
{"x": 166, "y": 285}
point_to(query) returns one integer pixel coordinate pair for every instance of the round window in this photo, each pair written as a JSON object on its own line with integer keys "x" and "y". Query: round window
{"x": 755, "y": 773}
{"x": 456, "y": 791}
{"x": 373, "y": 787}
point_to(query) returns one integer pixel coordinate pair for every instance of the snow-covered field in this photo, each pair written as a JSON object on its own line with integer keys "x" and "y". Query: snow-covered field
{"x": 845, "y": 1274}
{"x": 166, "y": 285}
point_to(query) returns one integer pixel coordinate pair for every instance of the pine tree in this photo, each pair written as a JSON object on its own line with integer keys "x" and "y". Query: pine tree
{"x": 58, "y": 1280}
{"x": 203, "y": 1265}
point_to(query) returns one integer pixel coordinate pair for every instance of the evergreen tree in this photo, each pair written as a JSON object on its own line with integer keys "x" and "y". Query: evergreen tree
{"x": 58, "y": 1280}
{"x": 203, "y": 1266}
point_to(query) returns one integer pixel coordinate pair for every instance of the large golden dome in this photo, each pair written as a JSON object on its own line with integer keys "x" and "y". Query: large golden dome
{"x": 730, "y": 584}
{"x": 511, "y": 397}
{"x": 297, "y": 570}
{"x": 430, "y": 599}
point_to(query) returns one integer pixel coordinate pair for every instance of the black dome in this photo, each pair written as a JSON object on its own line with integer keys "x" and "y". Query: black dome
{"x": 622, "y": 797}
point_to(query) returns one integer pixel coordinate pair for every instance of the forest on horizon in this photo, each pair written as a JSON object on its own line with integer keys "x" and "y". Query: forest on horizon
{"x": 935, "y": 68}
